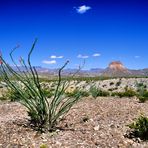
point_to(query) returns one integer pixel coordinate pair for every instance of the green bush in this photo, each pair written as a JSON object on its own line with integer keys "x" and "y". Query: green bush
{"x": 77, "y": 92}
{"x": 13, "y": 95}
{"x": 143, "y": 96}
{"x": 44, "y": 113}
{"x": 119, "y": 94}
{"x": 96, "y": 92}
{"x": 48, "y": 93}
{"x": 3, "y": 94}
{"x": 111, "y": 83}
{"x": 118, "y": 83}
{"x": 127, "y": 93}
{"x": 140, "y": 127}
{"x": 142, "y": 92}
{"x": 43, "y": 146}
{"x": 3, "y": 98}
{"x": 141, "y": 86}
{"x": 114, "y": 94}
{"x": 112, "y": 89}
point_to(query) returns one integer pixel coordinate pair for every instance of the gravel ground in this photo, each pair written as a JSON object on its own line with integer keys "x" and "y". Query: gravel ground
{"x": 91, "y": 123}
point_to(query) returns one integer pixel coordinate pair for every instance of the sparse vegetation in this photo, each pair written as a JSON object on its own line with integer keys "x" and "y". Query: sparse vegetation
{"x": 43, "y": 146}
{"x": 76, "y": 78}
{"x": 118, "y": 83}
{"x": 76, "y": 93}
{"x": 96, "y": 92}
{"x": 48, "y": 93}
{"x": 142, "y": 92}
{"x": 126, "y": 93}
{"x": 143, "y": 96}
{"x": 3, "y": 98}
{"x": 141, "y": 86}
{"x": 13, "y": 95}
{"x": 112, "y": 89}
{"x": 140, "y": 127}
{"x": 111, "y": 83}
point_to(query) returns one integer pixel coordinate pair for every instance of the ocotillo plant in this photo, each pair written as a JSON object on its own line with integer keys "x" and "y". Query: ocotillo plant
{"x": 44, "y": 113}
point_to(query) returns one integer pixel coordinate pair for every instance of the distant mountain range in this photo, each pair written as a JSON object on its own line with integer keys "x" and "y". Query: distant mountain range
{"x": 114, "y": 69}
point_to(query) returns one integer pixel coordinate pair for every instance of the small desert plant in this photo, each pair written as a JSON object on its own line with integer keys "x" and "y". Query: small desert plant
{"x": 142, "y": 92}
{"x": 43, "y": 146}
{"x": 3, "y": 94}
{"x": 143, "y": 96}
{"x": 140, "y": 127}
{"x": 127, "y": 93}
{"x": 44, "y": 113}
{"x": 111, "y": 83}
{"x": 112, "y": 89}
{"x": 48, "y": 93}
{"x": 77, "y": 92}
{"x": 3, "y": 98}
{"x": 118, "y": 83}
{"x": 141, "y": 86}
{"x": 12, "y": 95}
{"x": 114, "y": 94}
{"x": 96, "y": 92}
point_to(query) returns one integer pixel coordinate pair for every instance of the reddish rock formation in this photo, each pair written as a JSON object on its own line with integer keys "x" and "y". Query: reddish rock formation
{"x": 117, "y": 66}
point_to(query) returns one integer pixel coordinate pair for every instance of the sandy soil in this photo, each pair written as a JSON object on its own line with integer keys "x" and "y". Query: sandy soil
{"x": 91, "y": 123}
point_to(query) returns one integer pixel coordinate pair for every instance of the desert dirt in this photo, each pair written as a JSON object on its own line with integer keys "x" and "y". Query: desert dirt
{"x": 90, "y": 123}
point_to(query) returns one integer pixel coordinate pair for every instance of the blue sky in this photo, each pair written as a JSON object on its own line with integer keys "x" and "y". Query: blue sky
{"x": 99, "y": 31}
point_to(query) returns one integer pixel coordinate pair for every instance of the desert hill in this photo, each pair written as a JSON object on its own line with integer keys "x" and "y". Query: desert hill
{"x": 116, "y": 68}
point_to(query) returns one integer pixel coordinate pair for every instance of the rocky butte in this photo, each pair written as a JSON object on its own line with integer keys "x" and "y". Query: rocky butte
{"x": 116, "y": 68}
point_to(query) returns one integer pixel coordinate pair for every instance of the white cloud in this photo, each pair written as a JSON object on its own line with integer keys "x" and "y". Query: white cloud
{"x": 49, "y": 62}
{"x": 56, "y": 57}
{"x": 82, "y": 9}
{"x": 96, "y": 55}
{"x": 82, "y": 56}
{"x": 137, "y": 57}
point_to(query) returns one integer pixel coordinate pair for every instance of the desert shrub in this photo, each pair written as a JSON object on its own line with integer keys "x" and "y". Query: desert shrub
{"x": 140, "y": 127}
{"x": 119, "y": 94}
{"x": 140, "y": 86}
{"x": 84, "y": 93}
{"x": 114, "y": 94}
{"x": 43, "y": 146}
{"x": 127, "y": 93}
{"x": 104, "y": 85}
{"x": 48, "y": 93}
{"x": 87, "y": 79}
{"x": 3, "y": 94}
{"x": 13, "y": 95}
{"x": 96, "y": 92}
{"x": 118, "y": 83}
{"x": 111, "y": 83}
{"x": 3, "y": 98}
{"x": 77, "y": 92}
{"x": 44, "y": 113}
{"x": 142, "y": 92}
{"x": 143, "y": 96}
{"x": 112, "y": 89}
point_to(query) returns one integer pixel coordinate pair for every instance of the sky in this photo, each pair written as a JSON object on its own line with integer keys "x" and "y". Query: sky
{"x": 97, "y": 31}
